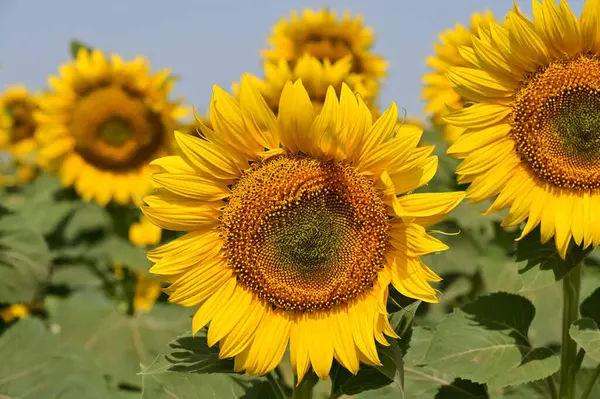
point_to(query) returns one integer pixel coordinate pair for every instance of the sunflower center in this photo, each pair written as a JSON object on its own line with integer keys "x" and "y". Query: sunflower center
{"x": 328, "y": 46}
{"x": 23, "y": 124}
{"x": 305, "y": 234}
{"x": 556, "y": 123}
{"x": 115, "y": 130}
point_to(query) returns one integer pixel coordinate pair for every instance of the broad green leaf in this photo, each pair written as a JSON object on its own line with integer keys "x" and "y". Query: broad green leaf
{"x": 117, "y": 342}
{"x": 189, "y": 368}
{"x": 87, "y": 217}
{"x": 402, "y": 319}
{"x": 75, "y": 276}
{"x": 426, "y": 382}
{"x": 40, "y": 206}
{"x": 24, "y": 260}
{"x": 37, "y": 364}
{"x": 541, "y": 390}
{"x": 486, "y": 342}
{"x": 171, "y": 385}
{"x": 122, "y": 251}
{"x": 75, "y": 45}
{"x": 532, "y": 390}
{"x": 546, "y": 258}
{"x": 191, "y": 355}
{"x": 587, "y": 334}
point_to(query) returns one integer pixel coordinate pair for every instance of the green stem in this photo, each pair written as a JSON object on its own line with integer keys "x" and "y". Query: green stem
{"x": 278, "y": 391}
{"x": 552, "y": 387}
{"x": 591, "y": 383}
{"x": 579, "y": 359}
{"x": 571, "y": 288}
{"x": 304, "y": 390}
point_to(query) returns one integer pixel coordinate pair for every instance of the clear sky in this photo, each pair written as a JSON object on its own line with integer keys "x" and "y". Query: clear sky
{"x": 209, "y": 42}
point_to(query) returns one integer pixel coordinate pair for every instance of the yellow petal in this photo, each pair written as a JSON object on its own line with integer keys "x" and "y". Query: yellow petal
{"x": 270, "y": 341}
{"x": 203, "y": 155}
{"x": 192, "y": 186}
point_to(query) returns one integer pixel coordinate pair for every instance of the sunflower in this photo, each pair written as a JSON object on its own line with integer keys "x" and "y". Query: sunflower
{"x": 13, "y": 312}
{"x": 17, "y": 311}
{"x": 316, "y": 76}
{"x": 295, "y": 228}
{"x": 17, "y": 129}
{"x": 533, "y": 132}
{"x": 438, "y": 93}
{"x": 147, "y": 288}
{"x": 320, "y": 33}
{"x": 104, "y": 121}
{"x": 144, "y": 233}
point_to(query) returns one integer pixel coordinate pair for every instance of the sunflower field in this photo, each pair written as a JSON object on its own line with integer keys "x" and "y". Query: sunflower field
{"x": 299, "y": 238}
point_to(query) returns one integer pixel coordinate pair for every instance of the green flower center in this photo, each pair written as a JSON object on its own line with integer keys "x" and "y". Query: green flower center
{"x": 115, "y": 132}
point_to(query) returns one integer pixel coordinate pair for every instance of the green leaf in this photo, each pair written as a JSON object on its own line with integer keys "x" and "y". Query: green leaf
{"x": 75, "y": 45}
{"x": 118, "y": 343}
{"x": 545, "y": 256}
{"x": 24, "y": 260}
{"x": 587, "y": 334}
{"x": 486, "y": 342}
{"x": 191, "y": 369}
{"x": 170, "y": 385}
{"x": 192, "y": 355}
{"x": 424, "y": 382}
{"x": 124, "y": 252}
{"x": 402, "y": 321}
{"x": 37, "y": 364}
{"x": 86, "y": 218}
{"x": 39, "y": 206}
{"x": 75, "y": 276}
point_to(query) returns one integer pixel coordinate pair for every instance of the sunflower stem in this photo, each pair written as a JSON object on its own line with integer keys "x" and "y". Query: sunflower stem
{"x": 571, "y": 288}
{"x": 590, "y": 385}
{"x": 275, "y": 382}
{"x": 552, "y": 387}
{"x": 304, "y": 390}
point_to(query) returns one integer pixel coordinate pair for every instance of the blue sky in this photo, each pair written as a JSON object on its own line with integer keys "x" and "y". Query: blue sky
{"x": 215, "y": 42}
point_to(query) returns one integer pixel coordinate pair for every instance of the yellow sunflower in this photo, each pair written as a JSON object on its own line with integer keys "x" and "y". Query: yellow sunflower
{"x": 144, "y": 233}
{"x": 147, "y": 289}
{"x": 104, "y": 121}
{"x": 17, "y": 132}
{"x": 438, "y": 93}
{"x": 320, "y": 33}
{"x": 316, "y": 76}
{"x": 533, "y": 132}
{"x": 14, "y": 312}
{"x": 295, "y": 227}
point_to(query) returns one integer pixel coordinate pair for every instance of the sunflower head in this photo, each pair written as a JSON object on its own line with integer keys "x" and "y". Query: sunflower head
{"x": 324, "y": 35}
{"x": 17, "y": 123}
{"x": 296, "y": 225}
{"x": 438, "y": 93}
{"x": 144, "y": 233}
{"x": 532, "y": 133}
{"x": 317, "y": 76}
{"x": 103, "y": 122}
